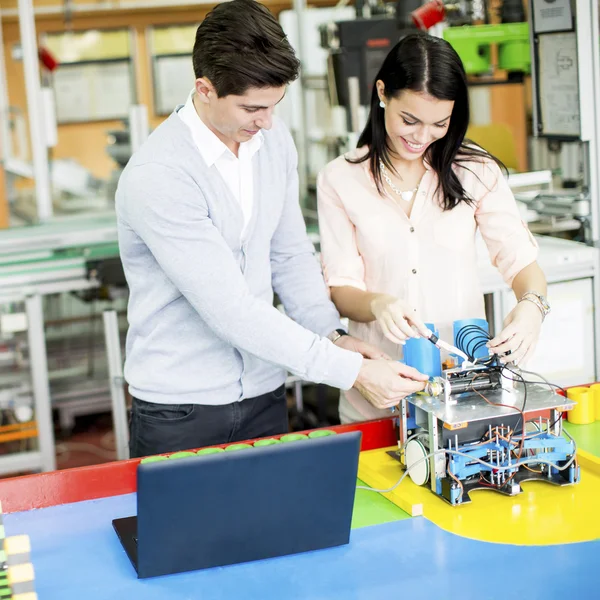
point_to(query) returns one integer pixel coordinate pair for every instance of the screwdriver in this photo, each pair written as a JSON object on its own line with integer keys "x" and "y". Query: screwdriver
{"x": 435, "y": 340}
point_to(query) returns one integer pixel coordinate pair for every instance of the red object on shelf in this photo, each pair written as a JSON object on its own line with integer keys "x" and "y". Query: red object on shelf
{"x": 429, "y": 14}
{"x": 47, "y": 58}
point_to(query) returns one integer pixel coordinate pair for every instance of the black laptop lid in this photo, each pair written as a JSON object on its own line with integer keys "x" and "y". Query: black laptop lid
{"x": 233, "y": 507}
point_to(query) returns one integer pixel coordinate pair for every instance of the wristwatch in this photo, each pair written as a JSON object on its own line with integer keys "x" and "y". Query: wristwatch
{"x": 334, "y": 336}
{"x": 539, "y": 300}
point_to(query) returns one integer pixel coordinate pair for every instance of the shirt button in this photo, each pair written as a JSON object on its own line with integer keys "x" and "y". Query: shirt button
{"x": 412, "y": 229}
{"x": 414, "y": 271}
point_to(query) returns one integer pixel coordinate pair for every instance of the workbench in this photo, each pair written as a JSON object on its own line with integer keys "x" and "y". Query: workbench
{"x": 76, "y": 554}
{"x": 57, "y": 257}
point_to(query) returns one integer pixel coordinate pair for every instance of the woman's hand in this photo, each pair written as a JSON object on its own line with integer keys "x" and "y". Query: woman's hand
{"x": 521, "y": 332}
{"x": 397, "y": 319}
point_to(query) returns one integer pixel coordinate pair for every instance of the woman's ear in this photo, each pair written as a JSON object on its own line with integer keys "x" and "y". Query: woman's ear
{"x": 380, "y": 90}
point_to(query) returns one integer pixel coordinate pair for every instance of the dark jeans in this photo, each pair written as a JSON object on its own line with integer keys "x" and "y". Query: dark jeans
{"x": 158, "y": 428}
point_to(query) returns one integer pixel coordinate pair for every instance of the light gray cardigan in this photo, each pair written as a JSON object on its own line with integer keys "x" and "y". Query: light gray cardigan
{"x": 202, "y": 326}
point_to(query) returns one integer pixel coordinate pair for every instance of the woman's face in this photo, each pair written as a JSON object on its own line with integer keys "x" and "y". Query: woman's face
{"x": 414, "y": 120}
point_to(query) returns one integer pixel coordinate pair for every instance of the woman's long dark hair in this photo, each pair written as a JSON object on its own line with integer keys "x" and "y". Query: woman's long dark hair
{"x": 423, "y": 63}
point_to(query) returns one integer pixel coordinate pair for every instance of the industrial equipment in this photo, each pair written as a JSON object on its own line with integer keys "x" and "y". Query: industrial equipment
{"x": 485, "y": 425}
{"x": 57, "y": 280}
{"x": 357, "y": 47}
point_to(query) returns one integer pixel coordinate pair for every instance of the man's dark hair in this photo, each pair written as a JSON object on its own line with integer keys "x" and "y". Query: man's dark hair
{"x": 240, "y": 45}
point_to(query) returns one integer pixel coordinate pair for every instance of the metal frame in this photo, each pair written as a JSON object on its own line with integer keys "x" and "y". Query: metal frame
{"x": 588, "y": 33}
{"x": 117, "y": 382}
{"x": 5, "y": 139}
{"x": 41, "y": 173}
{"x": 43, "y": 459}
{"x": 300, "y": 135}
{"x": 588, "y": 57}
{"x": 39, "y": 376}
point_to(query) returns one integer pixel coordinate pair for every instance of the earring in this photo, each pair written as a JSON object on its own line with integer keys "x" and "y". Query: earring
{"x": 382, "y": 104}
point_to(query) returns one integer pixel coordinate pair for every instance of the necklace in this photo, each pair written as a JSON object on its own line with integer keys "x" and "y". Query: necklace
{"x": 405, "y": 195}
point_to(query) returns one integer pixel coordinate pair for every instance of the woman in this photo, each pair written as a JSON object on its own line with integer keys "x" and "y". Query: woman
{"x": 398, "y": 217}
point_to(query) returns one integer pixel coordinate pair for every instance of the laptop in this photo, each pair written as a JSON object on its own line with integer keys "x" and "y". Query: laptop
{"x": 221, "y": 509}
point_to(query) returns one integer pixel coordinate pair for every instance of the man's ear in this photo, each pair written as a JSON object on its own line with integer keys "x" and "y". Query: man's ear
{"x": 205, "y": 89}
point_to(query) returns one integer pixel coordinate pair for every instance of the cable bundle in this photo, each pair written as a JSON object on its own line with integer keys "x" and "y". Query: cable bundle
{"x": 470, "y": 339}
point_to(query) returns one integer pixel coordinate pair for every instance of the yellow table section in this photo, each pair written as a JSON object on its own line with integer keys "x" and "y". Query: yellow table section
{"x": 543, "y": 514}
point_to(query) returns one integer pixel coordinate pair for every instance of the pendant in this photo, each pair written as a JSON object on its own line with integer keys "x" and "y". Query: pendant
{"x": 407, "y": 196}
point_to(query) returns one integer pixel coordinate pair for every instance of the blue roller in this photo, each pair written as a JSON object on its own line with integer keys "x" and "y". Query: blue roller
{"x": 421, "y": 354}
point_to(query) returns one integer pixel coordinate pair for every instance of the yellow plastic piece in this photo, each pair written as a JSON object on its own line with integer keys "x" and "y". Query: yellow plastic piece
{"x": 543, "y": 514}
{"x": 17, "y": 544}
{"x": 20, "y": 573}
{"x": 25, "y": 596}
{"x": 595, "y": 396}
{"x": 583, "y": 412}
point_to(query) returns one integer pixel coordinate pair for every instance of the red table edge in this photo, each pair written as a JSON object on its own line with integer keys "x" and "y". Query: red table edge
{"x": 54, "y": 488}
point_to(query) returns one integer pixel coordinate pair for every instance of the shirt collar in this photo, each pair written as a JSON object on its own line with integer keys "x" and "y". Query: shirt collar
{"x": 209, "y": 145}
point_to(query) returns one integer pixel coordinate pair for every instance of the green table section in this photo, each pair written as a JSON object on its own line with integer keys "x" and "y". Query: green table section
{"x": 371, "y": 508}
{"x": 587, "y": 437}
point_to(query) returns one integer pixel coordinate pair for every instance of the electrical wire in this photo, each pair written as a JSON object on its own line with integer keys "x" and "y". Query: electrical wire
{"x": 520, "y": 411}
{"x": 504, "y": 367}
{"x": 544, "y": 381}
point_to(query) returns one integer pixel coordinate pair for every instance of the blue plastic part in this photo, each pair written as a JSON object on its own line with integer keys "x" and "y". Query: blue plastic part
{"x": 470, "y": 339}
{"x": 455, "y": 495}
{"x": 421, "y": 354}
{"x": 550, "y": 448}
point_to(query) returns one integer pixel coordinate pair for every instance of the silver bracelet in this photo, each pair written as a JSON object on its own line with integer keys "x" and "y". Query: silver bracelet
{"x": 537, "y": 303}
{"x": 538, "y": 300}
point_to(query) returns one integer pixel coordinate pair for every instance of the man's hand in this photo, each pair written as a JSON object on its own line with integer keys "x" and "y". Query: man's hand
{"x": 385, "y": 382}
{"x": 521, "y": 332}
{"x": 349, "y": 342}
{"x": 397, "y": 319}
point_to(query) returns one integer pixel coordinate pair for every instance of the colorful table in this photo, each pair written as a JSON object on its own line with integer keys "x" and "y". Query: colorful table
{"x": 76, "y": 555}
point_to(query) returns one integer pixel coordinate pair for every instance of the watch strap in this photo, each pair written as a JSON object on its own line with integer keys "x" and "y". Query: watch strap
{"x": 538, "y": 300}
{"x": 335, "y": 335}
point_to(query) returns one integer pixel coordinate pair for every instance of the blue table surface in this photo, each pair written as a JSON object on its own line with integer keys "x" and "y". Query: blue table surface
{"x": 76, "y": 556}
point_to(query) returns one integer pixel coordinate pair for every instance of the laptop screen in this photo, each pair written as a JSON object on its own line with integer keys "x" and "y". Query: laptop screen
{"x": 232, "y": 507}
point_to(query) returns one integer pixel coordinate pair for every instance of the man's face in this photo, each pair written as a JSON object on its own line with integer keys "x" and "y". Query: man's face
{"x": 236, "y": 119}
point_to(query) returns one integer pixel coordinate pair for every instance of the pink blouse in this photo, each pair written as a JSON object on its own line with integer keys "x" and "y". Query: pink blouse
{"x": 429, "y": 259}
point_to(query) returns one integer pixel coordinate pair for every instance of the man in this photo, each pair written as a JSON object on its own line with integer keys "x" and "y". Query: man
{"x": 209, "y": 227}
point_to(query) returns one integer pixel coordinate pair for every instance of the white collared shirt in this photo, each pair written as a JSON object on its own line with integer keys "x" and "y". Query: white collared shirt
{"x": 236, "y": 171}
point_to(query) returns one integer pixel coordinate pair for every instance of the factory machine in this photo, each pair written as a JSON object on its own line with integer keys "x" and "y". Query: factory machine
{"x": 482, "y": 424}
{"x": 513, "y": 47}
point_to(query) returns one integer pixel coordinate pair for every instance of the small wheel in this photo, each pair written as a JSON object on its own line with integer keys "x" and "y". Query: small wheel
{"x": 416, "y": 463}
